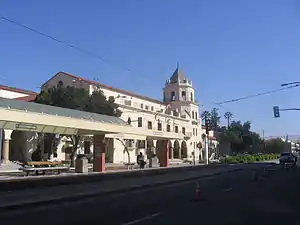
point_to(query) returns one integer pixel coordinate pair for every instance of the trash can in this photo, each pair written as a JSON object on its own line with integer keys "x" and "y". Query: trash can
{"x": 81, "y": 164}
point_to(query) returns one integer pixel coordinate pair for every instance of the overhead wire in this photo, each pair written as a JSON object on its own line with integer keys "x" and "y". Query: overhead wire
{"x": 82, "y": 50}
{"x": 256, "y": 95}
{"x": 103, "y": 59}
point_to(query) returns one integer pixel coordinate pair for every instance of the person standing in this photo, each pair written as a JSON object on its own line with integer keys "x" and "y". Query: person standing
{"x": 141, "y": 161}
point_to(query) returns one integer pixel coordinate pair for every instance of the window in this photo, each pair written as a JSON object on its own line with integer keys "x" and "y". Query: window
{"x": 192, "y": 97}
{"x": 142, "y": 106}
{"x": 176, "y": 129}
{"x": 149, "y": 125}
{"x": 196, "y": 131}
{"x": 60, "y": 83}
{"x": 152, "y": 108}
{"x": 196, "y": 116}
{"x": 127, "y": 102}
{"x": 147, "y": 107}
{"x": 159, "y": 127}
{"x": 129, "y": 143}
{"x": 183, "y": 95}
{"x": 129, "y": 121}
{"x": 173, "y": 98}
{"x": 141, "y": 144}
{"x": 140, "y": 122}
{"x": 183, "y": 130}
{"x": 193, "y": 115}
{"x": 168, "y": 128}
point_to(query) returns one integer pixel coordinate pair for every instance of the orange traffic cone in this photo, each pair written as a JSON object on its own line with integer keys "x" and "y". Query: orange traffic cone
{"x": 198, "y": 194}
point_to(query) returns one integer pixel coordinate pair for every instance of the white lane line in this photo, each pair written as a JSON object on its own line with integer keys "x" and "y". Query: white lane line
{"x": 227, "y": 189}
{"x": 142, "y": 219}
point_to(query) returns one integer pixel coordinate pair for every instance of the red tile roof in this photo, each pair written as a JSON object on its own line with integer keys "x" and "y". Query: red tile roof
{"x": 14, "y": 89}
{"x": 29, "y": 98}
{"x": 111, "y": 88}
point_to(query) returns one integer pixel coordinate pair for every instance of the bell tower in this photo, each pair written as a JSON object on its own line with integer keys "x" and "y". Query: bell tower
{"x": 179, "y": 88}
{"x": 180, "y": 94}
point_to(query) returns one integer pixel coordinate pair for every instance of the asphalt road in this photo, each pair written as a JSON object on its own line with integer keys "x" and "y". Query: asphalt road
{"x": 233, "y": 198}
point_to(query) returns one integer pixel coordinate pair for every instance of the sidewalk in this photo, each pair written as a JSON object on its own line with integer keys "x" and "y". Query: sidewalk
{"x": 31, "y": 196}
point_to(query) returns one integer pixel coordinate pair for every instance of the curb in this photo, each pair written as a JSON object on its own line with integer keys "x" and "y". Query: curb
{"x": 31, "y": 183}
{"x": 81, "y": 197}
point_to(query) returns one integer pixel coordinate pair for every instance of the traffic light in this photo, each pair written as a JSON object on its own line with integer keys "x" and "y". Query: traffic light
{"x": 207, "y": 125}
{"x": 276, "y": 111}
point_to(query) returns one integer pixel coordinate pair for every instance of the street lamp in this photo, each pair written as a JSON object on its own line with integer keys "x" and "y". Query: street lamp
{"x": 291, "y": 83}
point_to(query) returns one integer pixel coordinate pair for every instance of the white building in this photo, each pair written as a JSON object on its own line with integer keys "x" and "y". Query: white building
{"x": 177, "y": 113}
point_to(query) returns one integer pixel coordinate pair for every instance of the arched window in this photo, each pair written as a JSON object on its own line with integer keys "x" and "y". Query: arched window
{"x": 183, "y": 95}
{"x": 192, "y": 97}
{"x": 173, "y": 97}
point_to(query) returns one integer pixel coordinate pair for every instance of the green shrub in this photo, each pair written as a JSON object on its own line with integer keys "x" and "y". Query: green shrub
{"x": 249, "y": 158}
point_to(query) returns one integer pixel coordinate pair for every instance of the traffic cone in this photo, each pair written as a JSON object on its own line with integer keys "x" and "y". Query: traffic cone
{"x": 198, "y": 193}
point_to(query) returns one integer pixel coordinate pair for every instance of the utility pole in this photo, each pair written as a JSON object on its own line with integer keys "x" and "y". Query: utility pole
{"x": 207, "y": 128}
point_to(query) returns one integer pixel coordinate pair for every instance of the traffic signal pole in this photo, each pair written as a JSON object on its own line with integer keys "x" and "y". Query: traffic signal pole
{"x": 291, "y": 109}
{"x": 276, "y": 110}
{"x": 207, "y": 128}
{"x": 206, "y": 149}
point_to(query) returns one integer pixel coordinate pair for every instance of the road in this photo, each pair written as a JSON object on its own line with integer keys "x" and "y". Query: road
{"x": 233, "y": 198}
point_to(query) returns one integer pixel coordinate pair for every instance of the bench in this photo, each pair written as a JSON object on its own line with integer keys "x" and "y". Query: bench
{"x": 129, "y": 166}
{"x": 43, "y": 166}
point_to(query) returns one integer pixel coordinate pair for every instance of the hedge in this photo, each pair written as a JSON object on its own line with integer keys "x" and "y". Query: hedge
{"x": 250, "y": 158}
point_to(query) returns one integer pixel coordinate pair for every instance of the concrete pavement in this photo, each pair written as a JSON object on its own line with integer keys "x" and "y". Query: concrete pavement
{"x": 227, "y": 198}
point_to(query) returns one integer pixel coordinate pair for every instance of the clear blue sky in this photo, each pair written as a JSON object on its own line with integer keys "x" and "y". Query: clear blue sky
{"x": 228, "y": 48}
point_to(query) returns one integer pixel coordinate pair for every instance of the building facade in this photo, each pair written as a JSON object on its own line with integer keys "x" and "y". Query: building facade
{"x": 177, "y": 113}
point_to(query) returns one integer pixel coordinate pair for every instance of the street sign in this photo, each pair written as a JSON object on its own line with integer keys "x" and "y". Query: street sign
{"x": 276, "y": 111}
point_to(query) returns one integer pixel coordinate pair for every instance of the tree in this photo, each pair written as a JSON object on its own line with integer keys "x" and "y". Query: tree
{"x": 78, "y": 99}
{"x": 228, "y": 116}
{"x": 241, "y": 137}
{"x": 214, "y": 119}
{"x": 205, "y": 115}
{"x": 274, "y": 146}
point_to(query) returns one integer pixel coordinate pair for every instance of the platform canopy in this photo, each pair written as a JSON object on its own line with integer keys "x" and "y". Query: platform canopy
{"x": 27, "y": 116}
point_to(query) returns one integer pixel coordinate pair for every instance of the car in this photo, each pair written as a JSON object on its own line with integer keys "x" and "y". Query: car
{"x": 287, "y": 158}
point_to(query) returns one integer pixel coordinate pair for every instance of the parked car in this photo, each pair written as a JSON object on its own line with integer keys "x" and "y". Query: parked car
{"x": 287, "y": 158}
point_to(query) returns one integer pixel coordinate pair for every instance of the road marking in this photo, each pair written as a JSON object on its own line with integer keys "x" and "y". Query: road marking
{"x": 227, "y": 189}
{"x": 164, "y": 185}
{"x": 142, "y": 219}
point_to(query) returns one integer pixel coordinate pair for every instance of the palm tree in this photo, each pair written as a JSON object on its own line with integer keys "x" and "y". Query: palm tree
{"x": 228, "y": 116}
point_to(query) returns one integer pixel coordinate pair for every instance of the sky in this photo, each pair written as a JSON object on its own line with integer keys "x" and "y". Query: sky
{"x": 229, "y": 49}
